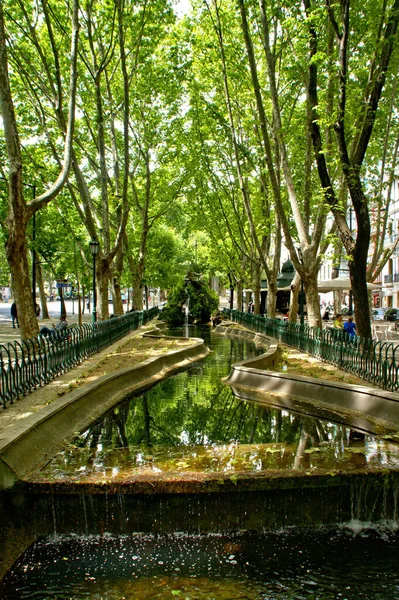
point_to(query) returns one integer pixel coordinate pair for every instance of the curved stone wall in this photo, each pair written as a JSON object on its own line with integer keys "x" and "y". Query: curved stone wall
{"x": 380, "y": 406}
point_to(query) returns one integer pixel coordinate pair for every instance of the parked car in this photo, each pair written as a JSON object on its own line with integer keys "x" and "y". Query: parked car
{"x": 392, "y": 314}
{"x": 123, "y": 298}
{"x": 377, "y": 314}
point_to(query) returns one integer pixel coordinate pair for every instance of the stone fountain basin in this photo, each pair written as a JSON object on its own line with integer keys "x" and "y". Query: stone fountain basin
{"x": 321, "y": 491}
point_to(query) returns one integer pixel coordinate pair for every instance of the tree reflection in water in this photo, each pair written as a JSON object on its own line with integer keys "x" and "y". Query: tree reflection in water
{"x": 143, "y": 435}
{"x": 193, "y": 422}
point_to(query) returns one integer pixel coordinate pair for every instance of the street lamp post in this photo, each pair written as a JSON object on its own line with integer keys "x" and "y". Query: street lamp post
{"x": 34, "y": 252}
{"x": 301, "y": 311}
{"x": 94, "y": 248}
{"x": 350, "y": 308}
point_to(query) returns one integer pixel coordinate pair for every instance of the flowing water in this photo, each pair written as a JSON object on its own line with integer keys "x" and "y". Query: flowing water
{"x": 192, "y": 423}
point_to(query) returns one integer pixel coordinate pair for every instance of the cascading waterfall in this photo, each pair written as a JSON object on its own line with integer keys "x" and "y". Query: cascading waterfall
{"x": 371, "y": 503}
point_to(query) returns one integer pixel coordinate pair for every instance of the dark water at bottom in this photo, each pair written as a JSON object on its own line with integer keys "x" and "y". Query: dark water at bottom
{"x": 290, "y": 565}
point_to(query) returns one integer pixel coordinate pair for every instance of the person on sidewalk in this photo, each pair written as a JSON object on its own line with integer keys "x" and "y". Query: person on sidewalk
{"x": 338, "y": 324}
{"x": 58, "y": 331}
{"x": 350, "y": 327}
{"x": 14, "y": 314}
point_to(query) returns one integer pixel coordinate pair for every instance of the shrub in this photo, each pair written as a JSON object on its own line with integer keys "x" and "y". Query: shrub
{"x": 201, "y": 301}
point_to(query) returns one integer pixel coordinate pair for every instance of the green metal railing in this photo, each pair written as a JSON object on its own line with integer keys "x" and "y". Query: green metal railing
{"x": 27, "y": 365}
{"x": 374, "y": 361}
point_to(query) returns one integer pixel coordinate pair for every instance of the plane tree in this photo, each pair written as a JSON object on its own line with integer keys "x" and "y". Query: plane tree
{"x": 363, "y": 59}
{"x": 282, "y": 108}
{"x": 231, "y": 180}
{"x": 155, "y": 174}
{"x": 60, "y": 38}
{"x": 119, "y": 44}
{"x": 315, "y": 120}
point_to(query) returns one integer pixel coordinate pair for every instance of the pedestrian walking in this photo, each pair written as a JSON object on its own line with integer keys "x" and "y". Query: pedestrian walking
{"x": 14, "y": 314}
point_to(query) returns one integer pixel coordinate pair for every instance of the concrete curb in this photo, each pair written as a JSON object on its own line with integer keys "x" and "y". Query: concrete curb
{"x": 253, "y": 374}
{"x": 268, "y": 358}
{"x": 27, "y": 445}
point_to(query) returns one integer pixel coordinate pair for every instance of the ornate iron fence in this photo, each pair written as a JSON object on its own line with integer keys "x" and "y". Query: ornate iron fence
{"x": 374, "y": 361}
{"x": 29, "y": 364}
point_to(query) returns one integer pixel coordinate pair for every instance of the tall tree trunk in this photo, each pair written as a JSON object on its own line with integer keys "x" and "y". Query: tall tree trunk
{"x": 312, "y": 300}
{"x": 117, "y": 297}
{"x": 17, "y": 257}
{"x": 117, "y": 269}
{"x": 139, "y": 270}
{"x": 257, "y": 276}
{"x": 62, "y": 302}
{"x": 357, "y": 270}
{"x": 294, "y": 300}
{"x": 271, "y": 298}
{"x": 40, "y": 283}
{"x": 231, "y": 304}
{"x": 240, "y": 287}
{"x": 309, "y": 267}
{"x": 102, "y": 281}
{"x": 138, "y": 286}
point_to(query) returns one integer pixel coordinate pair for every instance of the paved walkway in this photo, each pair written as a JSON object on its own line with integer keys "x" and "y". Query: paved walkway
{"x": 8, "y": 334}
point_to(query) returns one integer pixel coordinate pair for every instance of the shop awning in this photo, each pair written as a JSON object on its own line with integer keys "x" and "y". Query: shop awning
{"x": 340, "y": 283}
{"x": 332, "y": 285}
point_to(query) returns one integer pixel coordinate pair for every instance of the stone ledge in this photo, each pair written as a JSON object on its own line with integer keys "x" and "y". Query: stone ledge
{"x": 378, "y": 404}
{"x": 268, "y": 358}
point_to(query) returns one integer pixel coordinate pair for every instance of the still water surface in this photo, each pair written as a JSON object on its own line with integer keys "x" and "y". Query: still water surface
{"x": 192, "y": 422}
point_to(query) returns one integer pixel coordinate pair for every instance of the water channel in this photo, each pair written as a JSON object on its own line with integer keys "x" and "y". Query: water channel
{"x": 191, "y": 424}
